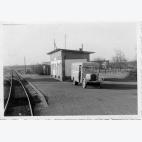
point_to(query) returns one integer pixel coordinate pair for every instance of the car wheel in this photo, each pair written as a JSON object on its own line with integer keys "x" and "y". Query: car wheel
{"x": 100, "y": 86}
{"x": 74, "y": 82}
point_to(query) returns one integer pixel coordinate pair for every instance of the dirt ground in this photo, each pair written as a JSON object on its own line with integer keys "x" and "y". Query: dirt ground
{"x": 115, "y": 98}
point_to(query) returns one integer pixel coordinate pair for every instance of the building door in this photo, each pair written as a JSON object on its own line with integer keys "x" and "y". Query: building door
{"x": 79, "y": 73}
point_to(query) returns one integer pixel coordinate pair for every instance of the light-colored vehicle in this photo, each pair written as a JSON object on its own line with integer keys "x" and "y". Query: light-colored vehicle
{"x": 85, "y": 73}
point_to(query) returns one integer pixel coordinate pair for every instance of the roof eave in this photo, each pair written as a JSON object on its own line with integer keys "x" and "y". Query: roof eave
{"x": 87, "y": 52}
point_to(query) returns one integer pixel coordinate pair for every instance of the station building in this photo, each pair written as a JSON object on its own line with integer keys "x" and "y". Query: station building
{"x": 62, "y": 59}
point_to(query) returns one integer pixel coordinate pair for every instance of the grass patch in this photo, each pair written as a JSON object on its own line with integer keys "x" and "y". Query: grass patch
{"x": 130, "y": 76}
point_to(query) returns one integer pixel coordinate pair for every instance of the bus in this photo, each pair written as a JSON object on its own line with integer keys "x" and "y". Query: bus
{"x": 85, "y": 74}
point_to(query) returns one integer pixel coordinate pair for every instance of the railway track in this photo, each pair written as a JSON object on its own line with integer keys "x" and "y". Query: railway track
{"x": 18, "y": 102}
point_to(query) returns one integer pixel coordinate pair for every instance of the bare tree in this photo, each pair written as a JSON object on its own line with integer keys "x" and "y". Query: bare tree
{"x": 119, "y": 60}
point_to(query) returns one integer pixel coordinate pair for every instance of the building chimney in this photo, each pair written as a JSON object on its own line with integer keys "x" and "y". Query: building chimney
{"x": 81, "y": 49}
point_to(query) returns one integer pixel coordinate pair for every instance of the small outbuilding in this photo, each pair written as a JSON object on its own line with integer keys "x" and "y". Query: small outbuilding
{"x": 62, "y": 59}
{"x": 46, "y": 68}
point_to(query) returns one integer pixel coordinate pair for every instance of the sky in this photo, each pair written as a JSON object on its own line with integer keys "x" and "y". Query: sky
{"x": 34, "y": 41}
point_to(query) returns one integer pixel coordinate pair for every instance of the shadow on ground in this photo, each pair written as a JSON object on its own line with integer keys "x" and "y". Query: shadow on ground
{"x": 112, "y": 86}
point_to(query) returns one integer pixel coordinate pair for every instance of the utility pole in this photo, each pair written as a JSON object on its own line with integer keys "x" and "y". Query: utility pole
{"x": 25, "y": 64}
{"x": 82, "y": 46}
{"x": 65, "y": 40}
{"x": 55, "y": 46}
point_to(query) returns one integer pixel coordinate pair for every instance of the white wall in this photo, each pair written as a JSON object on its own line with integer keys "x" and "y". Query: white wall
{"x": 68, "y": 64}
{"x": 56, "y": 70}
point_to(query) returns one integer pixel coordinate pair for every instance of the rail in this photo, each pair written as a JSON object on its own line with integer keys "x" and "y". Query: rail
{"x": 9, "y": 95}
{"x": 24, "y": 89}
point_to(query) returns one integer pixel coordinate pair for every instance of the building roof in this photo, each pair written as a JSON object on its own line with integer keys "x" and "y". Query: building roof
{"x": 68, "y": 50}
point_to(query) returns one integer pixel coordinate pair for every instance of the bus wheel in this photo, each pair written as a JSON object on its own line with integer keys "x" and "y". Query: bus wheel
{"x": 100, "y": 85}
{"x": 84, "y": 84}
{"x": 74, "y": 82}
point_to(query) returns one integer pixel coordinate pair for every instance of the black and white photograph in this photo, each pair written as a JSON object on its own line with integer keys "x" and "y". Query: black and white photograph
{"x": 70, "y": 69}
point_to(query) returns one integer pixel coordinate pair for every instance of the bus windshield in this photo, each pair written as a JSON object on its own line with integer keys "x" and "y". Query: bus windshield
{"x": 90, "y": 69}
